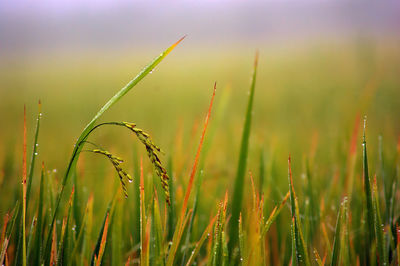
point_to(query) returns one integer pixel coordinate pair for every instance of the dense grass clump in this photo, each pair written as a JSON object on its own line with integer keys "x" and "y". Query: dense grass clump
{"x": 303, "y": 212}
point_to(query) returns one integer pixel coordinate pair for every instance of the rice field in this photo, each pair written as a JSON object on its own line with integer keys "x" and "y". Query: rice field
{"x": 276, "y": 160}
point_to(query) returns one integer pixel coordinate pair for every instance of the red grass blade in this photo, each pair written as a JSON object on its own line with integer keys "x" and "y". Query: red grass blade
{"x": 196, "y": 160}
{"x": 103, "y": 242}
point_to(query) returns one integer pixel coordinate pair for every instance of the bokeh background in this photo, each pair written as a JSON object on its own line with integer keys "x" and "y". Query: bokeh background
{"x": 321, "y": 64}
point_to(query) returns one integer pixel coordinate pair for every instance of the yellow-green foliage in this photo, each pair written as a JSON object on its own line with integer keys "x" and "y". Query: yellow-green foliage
{"x": 307, "y": 105}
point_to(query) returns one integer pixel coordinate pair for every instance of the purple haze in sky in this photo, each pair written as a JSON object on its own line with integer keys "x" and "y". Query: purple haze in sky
{"x": 31, "y": 27}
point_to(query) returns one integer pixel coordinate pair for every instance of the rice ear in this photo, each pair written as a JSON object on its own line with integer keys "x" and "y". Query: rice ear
{"x": 116, "y": 162}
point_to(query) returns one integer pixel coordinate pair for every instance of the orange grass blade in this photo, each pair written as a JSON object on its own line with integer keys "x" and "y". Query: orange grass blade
{"x": 103, "y": 242}
{"x": 196, "y": 160}
{"x": 275, "y": 212}
{"x": 318, "y": 258}
{"x": 181, "y": 222}
{"x": 53, "y": 254}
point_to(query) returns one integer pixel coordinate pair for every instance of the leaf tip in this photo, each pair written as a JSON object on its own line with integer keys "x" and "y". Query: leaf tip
{"x": 365, "y": 126}
{"x": 256, "y": 57}
{"x": 176, "y": 43}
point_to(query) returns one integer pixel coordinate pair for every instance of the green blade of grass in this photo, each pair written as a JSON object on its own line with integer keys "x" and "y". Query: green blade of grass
{"x": 242, "y": 240}
{"x": 115, "y": 99}
{"x": 345, "y": 240}
{"x": 242, "y": 251}
{"x": 175, "y": 240}
{"x": 379, "y": 231}
{"x": 65, "y": 238}
{"x": 77, "y": 202}
{"x": 300, "y": 246}
{"x": 78, "y": 147}
{"x": 144, "y": 231}
{"x": 237, "y": 197}
{"x": 24, "y": 195}
{"x": 171, "y": 209}
{"x": 37, "y": 253}
{"x": 337, "y": 241}
{"x": 31, "y": 235}
{"x": 275, "y": 212}
{"x": 85, "y": 250}
{"x": 293, "y": 238}
{"x": 34, "y": 154}
{"x": 368, "y": 193}
{"x": 198, "y": 245}
{"x": 157, "y": 231}
{"x": 217, "y": 254}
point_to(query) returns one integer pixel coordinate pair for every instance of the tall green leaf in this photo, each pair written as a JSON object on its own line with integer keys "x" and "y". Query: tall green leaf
{"x": 379, "y": 230}
{"x": 78, "y": 145}
{"x": 368, "y": 193}
{"x": 34, "y": 154}
{"x": 301, "y": 252}
{"x": 338, "y": 235}
{"x": 237, "y": 198}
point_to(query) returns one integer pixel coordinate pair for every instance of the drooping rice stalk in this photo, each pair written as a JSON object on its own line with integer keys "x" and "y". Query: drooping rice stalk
{"x": 84, "y": 135}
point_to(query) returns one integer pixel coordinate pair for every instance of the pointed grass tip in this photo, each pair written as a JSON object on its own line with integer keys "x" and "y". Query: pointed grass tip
{"x": 365, "y": 126}
{"x": 175, "y": 44}
{"x": 256, "y": 57}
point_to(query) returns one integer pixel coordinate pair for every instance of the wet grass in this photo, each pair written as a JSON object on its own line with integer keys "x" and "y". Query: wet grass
{"x": 185, "y": 204}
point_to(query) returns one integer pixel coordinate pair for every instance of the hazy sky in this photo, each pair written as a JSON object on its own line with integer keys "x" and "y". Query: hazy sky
{"x": 46, "y": 26}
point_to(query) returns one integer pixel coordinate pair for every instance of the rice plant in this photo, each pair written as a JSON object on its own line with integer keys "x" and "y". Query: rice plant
{"x": 282, "y": 213}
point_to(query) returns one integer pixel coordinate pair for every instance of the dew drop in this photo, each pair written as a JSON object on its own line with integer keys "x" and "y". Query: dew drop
{"x": 130, "y": 180}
